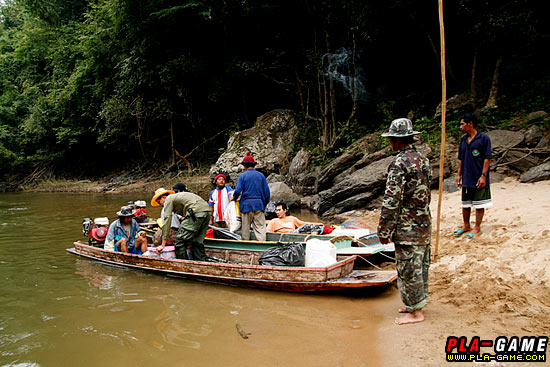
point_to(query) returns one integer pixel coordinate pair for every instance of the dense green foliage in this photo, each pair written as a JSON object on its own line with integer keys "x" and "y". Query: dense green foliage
{"x": 86, "y": 84}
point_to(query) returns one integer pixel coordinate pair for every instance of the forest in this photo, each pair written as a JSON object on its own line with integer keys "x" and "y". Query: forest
{"x": 88, "y": 86}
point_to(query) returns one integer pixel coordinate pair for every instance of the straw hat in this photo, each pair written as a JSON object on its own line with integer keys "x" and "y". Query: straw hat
{"x": 159, "y": 193}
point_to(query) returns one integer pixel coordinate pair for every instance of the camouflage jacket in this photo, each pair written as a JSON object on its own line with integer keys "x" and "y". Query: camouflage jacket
{"x": 405, "y": 216}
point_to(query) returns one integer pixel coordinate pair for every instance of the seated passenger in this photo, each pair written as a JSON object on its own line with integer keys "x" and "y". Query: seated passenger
{"x": 283, "y": 223}
{"x": 124, "y": 234}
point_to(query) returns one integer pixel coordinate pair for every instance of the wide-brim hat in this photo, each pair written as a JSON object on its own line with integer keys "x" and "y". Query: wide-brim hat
{"x": 401, "y": 128}
{"x": 159, "y": 193}
{"x": 126, "y": 211}
{"x": 248, "y": 160}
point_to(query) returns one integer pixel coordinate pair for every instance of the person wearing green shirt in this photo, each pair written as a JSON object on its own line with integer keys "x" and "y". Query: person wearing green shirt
{"x": 196, "y": 213}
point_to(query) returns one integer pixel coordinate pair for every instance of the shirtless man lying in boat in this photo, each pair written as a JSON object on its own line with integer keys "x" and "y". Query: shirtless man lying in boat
{"x": 284, "y": 223}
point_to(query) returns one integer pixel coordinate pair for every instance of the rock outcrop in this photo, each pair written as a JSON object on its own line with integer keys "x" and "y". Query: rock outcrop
{"x": 281, "y": 192}
{"x": 356, "y": 179}
{"x": 538, "y": 173}
{"x": 270, "y": 141}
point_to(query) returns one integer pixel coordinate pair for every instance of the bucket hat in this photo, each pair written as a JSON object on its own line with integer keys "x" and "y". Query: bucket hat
{"x": 400, "y": 128}
{"x": 159, "y": 193}
{"x": 126, "y": 211}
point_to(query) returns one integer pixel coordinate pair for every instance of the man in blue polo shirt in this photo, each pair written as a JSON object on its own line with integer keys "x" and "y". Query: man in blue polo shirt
{"x": 474, "y": 156}
{"x": 255, "y": 196}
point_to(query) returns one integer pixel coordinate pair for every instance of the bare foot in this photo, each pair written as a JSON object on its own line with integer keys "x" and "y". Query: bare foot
{"x": 410, "y": 318}
{"x": 402, "y": 310}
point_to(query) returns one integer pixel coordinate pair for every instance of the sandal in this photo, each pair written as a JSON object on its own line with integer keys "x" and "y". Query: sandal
{"x": 471, "y": 235}
{"x": 458, "y": 233}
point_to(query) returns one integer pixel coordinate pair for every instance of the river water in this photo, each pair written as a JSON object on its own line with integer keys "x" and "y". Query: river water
{"x": 61, "y": 310}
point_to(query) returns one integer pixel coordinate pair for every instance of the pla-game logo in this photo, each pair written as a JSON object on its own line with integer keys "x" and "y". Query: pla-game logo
{"x": 502, "y": 349}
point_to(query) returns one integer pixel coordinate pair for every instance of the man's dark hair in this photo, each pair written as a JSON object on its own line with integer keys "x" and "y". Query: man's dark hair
{"x": 179, "y": 187}
{"x": 283, "y": 205}
{"x": 470, "y": 117}
{"x": 405, "y": 139}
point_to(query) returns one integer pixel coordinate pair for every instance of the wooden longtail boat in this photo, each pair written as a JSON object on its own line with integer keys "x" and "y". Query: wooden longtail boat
{"x": 243, "y": 270}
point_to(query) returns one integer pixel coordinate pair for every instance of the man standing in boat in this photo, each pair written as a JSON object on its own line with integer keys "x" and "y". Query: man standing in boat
{"x": 255, "y": 196}
{"x": 192, "y": 230}
{"x": 219, "y": 201}
{"x": 405, "y": 219}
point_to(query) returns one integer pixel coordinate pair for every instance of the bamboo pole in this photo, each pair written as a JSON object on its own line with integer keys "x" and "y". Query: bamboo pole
{"x": 443, "y": 116}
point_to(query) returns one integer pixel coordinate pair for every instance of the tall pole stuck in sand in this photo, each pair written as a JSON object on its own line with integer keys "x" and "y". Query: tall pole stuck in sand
{"x": 443, "y": 116}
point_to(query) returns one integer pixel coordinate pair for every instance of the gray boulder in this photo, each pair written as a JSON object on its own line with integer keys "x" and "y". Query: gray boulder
{"x": 455, "y": 102}
{"x": 299, "y": 163}
{"x": 504, "y": 139}
{"x": 449, "y": 185}
{"x": 543, "y": 143}
{"x": 536, "y": 116}
{"x": 275, "y": 177}
{"x": 354, "y": 155}
{"x": 532, "y": 135}
{"x": 301, "y": 180}
{"x": 520, "y": 161}
{"x": 356, "y": 191}
{"x": 305, "y": 182}
{"x": 538, "y": 173}
{"x": 270, "y": 141}
{"x": 281, "y": 192}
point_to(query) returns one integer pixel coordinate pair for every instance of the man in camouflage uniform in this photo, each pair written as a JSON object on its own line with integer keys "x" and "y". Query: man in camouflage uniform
{"x": 405, "y": 218}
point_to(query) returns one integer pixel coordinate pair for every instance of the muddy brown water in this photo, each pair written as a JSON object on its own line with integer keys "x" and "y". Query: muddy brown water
{"x": 61, "y": 310}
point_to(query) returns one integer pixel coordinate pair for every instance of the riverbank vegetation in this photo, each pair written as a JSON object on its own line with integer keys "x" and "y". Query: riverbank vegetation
{"x": 92, "y": 86}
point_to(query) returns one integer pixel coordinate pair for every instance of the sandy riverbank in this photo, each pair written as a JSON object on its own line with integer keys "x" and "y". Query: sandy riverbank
{"x": 495, "y": 284}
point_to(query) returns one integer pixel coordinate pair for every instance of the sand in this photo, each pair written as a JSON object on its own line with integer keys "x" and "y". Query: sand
{"x": 491, "y": 285}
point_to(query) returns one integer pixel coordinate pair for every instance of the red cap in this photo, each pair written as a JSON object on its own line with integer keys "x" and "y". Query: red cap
{"x": 248, "y": 159}
{"x": 218, "y": 176}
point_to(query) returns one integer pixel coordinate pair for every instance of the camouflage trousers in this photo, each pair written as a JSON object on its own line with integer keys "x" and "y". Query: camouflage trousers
{"x": 413, "y": 263}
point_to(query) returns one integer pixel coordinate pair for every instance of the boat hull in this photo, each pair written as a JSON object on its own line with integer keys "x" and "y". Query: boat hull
{"x": 337, "y": 277}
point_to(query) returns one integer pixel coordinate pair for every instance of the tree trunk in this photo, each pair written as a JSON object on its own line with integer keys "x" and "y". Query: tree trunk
{"x": 172, "y": 143}
{"x": 493, "y": 94}
{"x": 473, "y": 81}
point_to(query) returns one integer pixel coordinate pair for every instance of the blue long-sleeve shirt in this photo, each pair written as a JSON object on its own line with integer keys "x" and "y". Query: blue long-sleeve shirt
{"x": 117, "y": 232}
{"x": 255, "y": 191}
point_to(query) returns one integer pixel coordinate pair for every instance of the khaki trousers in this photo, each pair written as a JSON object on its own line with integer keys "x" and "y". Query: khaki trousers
{"x": 255, "y": 218}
